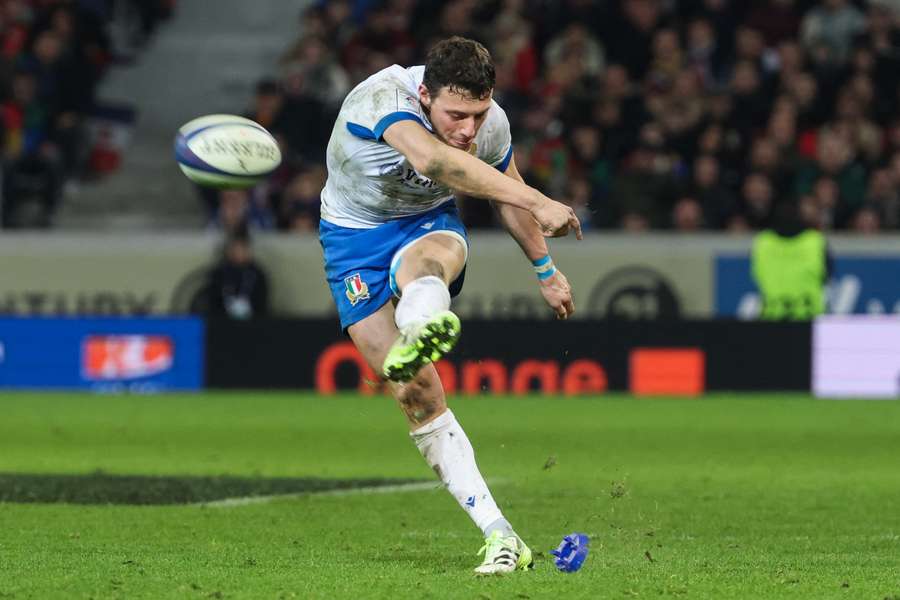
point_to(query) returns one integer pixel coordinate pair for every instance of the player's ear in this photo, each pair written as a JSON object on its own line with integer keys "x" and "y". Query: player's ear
{"x": 424, "y": 96}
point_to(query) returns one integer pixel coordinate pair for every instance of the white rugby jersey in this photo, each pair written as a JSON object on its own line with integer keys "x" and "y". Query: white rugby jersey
{"x": 369, "y": 182}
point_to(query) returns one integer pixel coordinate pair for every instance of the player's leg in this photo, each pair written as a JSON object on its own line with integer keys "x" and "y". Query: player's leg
{"x": 421, "y": 273}
{"x": 444, "y": 445}
{"x": 422, "y": 398}
{"x": 425, "y": 271}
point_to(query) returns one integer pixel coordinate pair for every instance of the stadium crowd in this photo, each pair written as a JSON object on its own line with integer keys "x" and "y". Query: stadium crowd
{"x": 53, "y": 53}
{"x": 642, "y": 114}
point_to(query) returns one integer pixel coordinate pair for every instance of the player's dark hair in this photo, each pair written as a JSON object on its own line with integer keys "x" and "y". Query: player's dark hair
{"x": 462, "y": 65}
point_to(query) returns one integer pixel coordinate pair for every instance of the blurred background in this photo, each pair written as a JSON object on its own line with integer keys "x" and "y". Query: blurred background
{"x": 736, "y": 166}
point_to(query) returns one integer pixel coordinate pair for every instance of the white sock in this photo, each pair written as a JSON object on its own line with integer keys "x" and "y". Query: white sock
{"x": 422, "y": 298}
{"x": 447, "y": 450}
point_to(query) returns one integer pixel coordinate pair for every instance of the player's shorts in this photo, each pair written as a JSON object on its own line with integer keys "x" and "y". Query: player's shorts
{"x": 360, "y": 264}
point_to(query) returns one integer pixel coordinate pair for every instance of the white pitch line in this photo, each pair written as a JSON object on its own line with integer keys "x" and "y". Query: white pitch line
{"x": 374, "y": 489}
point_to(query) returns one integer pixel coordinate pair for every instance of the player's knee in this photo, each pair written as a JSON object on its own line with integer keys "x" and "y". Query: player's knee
{"x": 431, "y": 267}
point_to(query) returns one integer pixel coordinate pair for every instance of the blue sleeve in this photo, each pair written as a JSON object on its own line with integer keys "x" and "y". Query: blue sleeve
{"x": 377, "y": 134}
{"x": 504, "y": 165}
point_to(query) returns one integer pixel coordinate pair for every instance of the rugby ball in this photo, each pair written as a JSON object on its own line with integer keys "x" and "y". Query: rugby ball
{"x": 226, "y": 151}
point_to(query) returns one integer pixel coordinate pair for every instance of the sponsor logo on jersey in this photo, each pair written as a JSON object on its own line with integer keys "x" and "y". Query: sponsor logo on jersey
{"x": 357, "y": 289}
{"x": 412, "y": 179}
{"x": 112, "y": 357}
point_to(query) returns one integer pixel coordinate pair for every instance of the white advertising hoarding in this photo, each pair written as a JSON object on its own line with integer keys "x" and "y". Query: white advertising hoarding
{"x": 856, "y": 357}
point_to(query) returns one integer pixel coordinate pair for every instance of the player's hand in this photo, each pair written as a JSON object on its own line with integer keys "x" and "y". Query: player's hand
{"x": 556, "y": 219}
{"x": 558, "y": 295}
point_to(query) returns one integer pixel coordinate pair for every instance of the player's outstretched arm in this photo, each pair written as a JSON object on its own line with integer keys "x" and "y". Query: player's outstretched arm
{"x": 468, "y": 175}
{"x": 522, "y": 227}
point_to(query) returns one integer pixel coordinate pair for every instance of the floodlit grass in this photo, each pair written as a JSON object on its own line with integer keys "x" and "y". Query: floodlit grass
{"x": 729, "y": 496}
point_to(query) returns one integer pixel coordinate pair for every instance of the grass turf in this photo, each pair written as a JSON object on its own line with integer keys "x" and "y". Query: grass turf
{"x": 725, "y": 497}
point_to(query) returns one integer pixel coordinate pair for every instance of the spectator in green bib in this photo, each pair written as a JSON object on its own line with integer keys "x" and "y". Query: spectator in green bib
{"x": 790, "y": 264}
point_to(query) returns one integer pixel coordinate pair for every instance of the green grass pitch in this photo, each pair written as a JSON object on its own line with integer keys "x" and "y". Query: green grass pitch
{"x": 728, "y": 496}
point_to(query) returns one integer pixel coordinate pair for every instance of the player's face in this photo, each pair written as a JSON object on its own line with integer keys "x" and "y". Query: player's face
{"x": 456, "y": 118}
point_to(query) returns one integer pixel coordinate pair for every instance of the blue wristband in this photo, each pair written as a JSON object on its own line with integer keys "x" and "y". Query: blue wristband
{"x": 544, "y": 267}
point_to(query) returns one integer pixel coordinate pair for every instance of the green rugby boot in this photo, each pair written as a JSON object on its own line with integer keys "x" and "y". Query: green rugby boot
{"x": 504, "y": 555}
{"x": 421, "y": 344}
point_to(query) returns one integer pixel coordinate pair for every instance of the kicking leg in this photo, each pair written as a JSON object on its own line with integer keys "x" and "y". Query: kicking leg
{"x": 427, "y": 328}
{"x": 444, "y": 445}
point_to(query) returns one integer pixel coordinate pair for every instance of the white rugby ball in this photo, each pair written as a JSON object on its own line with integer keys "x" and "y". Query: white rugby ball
{"x": 226, "y": 151}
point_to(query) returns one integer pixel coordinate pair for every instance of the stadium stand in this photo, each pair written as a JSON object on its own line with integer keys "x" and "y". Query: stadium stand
{"x": 53, "y": 54}
{"x": 642, "y": 114}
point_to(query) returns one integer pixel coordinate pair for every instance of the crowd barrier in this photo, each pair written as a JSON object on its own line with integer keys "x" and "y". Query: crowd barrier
{"x": 575, "y": 357}
{"x": 102, "y": 354}
{"x": 613, "y": 275}
{"x": 832, "y": 357}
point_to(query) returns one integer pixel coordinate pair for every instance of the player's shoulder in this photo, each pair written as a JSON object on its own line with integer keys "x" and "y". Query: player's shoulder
{"x": 496, "y": 124}
{"x": 496, "y": 114}
{"x": 390, "y": 89}
{"x": 393, "y": 77}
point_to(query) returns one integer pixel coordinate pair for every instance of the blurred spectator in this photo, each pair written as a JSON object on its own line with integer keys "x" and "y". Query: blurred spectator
{"x": 706, "y": 55}
{"x": 750, "y": 100}
{"x": 300, "y": 201}
{"x": 758, "y": 200}
{"x": 790, "y": 264}
{"x": 867, "y": 221}
{"x": 644, "y": 187}
{"x": 379, "y": 36}
{"x": 243, "y": 209}
{"x": 238, "y": 287}
{"x": 749, "y": 45}
{"x": 514, "y": 51}
{"x": 337, "y": 21}
{"x": 883, "y": 196}
{"x": 32, "y": 165}
{"x": 829, "y": 28}
{"x": 53, "y": 54}
{"x": 835, "y": 156}
{"x": 809, "y": 214}
{"x": 586, "y": 159}
{"x": 633, "y": 222}
{"x": 666, "y": 62}
{"x": 777, "y": 20}
{"x": 309, "y": 65}
{"x": 687, "y": 216}
{"x": 717, "y": 202}
{"x": 579, "y": 195}
{"x": 578, "y": 44}
{"x": 299, "y": 118}
{"x": 827, "y": 197}
{"x": 268, "y": 104}
{"x": 629, "y": 34}
{"x": 442, "y": 19}
{"x": 765, "y": 158}
{"x": 556, "y": 15}
{"x": 782, "y": 131}
{"x": 136, "y": 20}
